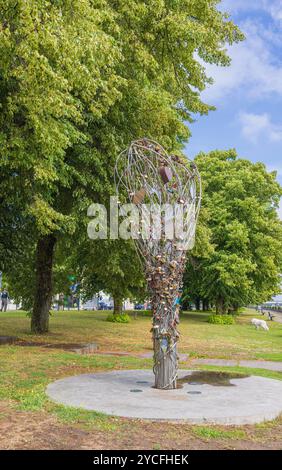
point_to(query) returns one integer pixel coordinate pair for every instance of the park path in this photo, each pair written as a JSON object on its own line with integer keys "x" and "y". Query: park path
{"x": 278, "y": 317}
{"x": 269, "y": 365}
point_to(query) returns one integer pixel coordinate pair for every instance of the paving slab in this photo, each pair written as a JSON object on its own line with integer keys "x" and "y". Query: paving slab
{"x": 130, "y": 394}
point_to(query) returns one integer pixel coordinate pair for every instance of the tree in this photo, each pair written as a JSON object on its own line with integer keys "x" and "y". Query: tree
{"x": 79, "y": 81}
{"x": 202, "y": 252}
{"x": 113, "y": 267}
{"x": 56, "y": 65}
{"x": 241, "y": 198}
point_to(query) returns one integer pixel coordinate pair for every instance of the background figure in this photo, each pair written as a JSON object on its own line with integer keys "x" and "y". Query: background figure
{"x": 4, "y": 300}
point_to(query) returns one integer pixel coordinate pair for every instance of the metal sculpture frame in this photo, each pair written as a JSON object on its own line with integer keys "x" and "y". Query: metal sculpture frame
{"x": 146, "y": 175}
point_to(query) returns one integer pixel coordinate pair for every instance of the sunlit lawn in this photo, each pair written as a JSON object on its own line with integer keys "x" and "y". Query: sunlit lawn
{"x": 25, "y": 371}
{"x": 198, "y": 338}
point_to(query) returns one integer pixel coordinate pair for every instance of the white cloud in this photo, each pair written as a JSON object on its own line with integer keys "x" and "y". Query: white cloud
{"x": 255, "y": 126}
{"x": 255, "y": 69}
{"x": 232, "y": 6}
{"x": 271, "y": 7}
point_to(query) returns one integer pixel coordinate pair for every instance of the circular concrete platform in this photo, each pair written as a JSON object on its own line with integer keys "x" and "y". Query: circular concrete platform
{"x": 129, "y": 393}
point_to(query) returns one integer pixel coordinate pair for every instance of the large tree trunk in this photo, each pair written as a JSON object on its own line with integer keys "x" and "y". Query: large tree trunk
{"x": 43, "y": 287}
{"x": 117, "y": 305}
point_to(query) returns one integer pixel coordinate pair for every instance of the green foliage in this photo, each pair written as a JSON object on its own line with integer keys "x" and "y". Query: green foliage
{"x": 208, "y": 432}
{"x": 79, "y": 81}
{"x": 109, "y": 265}
{"x": 221, "y": 319}
{"x": 118, "y": 318}
{"x": 244, "y": 265}
{"x": 49, "y": 81}
{"x": 21, "y": 273}
{"x": 57, "y": 74}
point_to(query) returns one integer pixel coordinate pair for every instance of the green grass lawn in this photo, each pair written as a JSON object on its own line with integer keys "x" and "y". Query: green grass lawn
{"x": 198, "y": 338}
{"x": 25, "y": 371}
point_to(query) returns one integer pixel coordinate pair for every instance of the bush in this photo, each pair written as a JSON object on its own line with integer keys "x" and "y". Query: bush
{"x": 221, "y": 319}
{"x": 145, "y": 313}
{"x": 140, "y": 313}
{"x": 120, "y": 318}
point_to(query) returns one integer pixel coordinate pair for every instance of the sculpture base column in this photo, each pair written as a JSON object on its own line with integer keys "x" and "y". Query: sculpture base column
{"x": 165, "y": 365}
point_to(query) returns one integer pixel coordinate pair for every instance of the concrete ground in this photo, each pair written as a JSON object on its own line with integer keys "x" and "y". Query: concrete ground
{"x": 129, "y": 393}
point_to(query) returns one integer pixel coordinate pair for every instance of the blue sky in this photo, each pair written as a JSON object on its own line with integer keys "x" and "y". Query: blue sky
{"x": 248, "y": 94}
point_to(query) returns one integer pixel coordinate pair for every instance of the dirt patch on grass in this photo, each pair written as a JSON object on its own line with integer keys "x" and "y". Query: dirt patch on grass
{"x": 78, "y": 348}
{"x": 41, "y": 430}
{"x": 7, "y": 340}
{"x": 38, "y": 430}
{"x": 64, "y": 346}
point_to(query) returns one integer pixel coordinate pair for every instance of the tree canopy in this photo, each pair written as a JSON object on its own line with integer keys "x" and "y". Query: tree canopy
{"x": 244, "y": 264}
{"x": 78, "y": 80}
